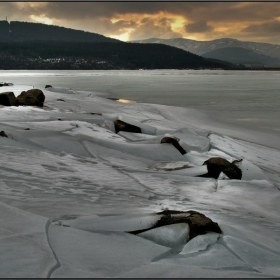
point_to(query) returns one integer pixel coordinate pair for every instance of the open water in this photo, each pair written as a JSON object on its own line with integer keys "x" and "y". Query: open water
{"x": 249, "y": 100}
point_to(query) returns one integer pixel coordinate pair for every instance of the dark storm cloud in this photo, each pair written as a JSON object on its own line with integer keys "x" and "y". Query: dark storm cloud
{"x": 79, "y": 10}
{"x": 204, "y": 20}
{"x": 267, "y": 28}
{"x": 198, "y": 27}
{"x": 195, "y": 11}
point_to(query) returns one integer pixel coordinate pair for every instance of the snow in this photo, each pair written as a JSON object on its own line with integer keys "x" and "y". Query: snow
{"x": 199, "y": 243}
{"x": 169, "y": 236}
{"x": 72, "y": 189}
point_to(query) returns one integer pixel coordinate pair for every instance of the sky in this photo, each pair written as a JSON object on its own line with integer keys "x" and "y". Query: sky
{"x": 130, "y": 20}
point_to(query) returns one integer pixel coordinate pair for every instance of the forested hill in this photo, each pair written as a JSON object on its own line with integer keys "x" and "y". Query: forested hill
{"x": 102, "y": 55}
{"x": 27, "y": 31}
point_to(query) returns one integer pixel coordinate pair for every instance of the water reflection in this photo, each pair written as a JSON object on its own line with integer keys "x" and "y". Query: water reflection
{"x": 122, "y": 100}
{"x": 126, "y": 101}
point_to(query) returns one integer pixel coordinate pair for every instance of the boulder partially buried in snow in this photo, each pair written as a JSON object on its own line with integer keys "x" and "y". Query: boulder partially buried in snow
{"x": 217, "y": 165}
{"x": 33, "y": 97}
{"x": 124, "y": 126}
{"x": 175, "y": 142}
{"x": 38, "y": 94}
{"x": 8, "y": 99}
{"x": 198, "y": 223}
{"x": 3, "y": 134}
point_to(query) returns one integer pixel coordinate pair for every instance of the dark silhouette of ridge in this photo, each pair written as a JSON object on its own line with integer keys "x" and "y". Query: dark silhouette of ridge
{"x": 27, "y": 31}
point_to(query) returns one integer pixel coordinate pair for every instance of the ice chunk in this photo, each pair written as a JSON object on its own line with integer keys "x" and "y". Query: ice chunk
{"x": 146, "y": 129}
{"x": 61, "y": 90}
{"x": 156, "y": 152}
{"x": 169, "y": 166}
{"x": 25, "y": 251}
{"x": 125, "y": 223}
{"x": 257, "y": 256}
{"x": 251, "y": 171}
{"x": 200, "y": 242}
{"x": 55, "y": 141}
{"x": 139, "y": 137}
{"x": 190, "y": 140}
{"x": 169, "y": 236}
{"x": 96, "y": 254}
{"x": 194, "y": 171}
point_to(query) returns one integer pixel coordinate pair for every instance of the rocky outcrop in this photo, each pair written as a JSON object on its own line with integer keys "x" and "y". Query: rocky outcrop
{"x": 3, "y": 134}
{"x": 8, "y": 99}
{"x": 123, "y": 126}
{"x": 48, "y": 86}
{"x": 217, "y": 165}
{"x": 198, "y": 222}
{"x": 175, "y": 142}
{"x": 5, "y": 84}
{"x": 38, "y": 94}
{"x": 32, "y": 97}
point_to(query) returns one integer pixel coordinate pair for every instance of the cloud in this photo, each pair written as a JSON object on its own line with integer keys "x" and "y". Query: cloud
{"x": 198, "y": 27}
{"x": 166, "y": 19}
{"x": 41, "y": 19}
{"x": 264, "y": 28}
{"x": 156, "y": 28}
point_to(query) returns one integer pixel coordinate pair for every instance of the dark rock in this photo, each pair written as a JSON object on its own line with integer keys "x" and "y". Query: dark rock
{"x": 174, "y": 142}
{"x": 198, "y": 222}
{"x": 32, "y": 97}
{"x": 38, "y": 94}
{"x": 5, "y": 84}
{"x": 8, "y": 99}
{"x": 3, "y": 134}
{"x": 123, "y": 126}
{"x": 96, "y": 114}
{"x": 28, "y": 99}
{"x": 217, "y": 165}
{"x": 60, "y": 100}
{"x": 48, "y": 86}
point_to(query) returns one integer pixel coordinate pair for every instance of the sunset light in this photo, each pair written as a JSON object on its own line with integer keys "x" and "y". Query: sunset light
{"x": 41, "y": 19}
{"x": 128, "y": 21}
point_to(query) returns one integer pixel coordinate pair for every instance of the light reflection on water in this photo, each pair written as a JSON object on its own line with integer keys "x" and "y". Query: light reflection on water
{"x": 126, "y": 101}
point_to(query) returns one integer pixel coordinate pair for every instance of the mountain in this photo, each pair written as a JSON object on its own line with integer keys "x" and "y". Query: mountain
{"x": 23, "y": 46}
{"x": 242, "y": 56}
{"x": 202, "y": 47}
{"x": 99, "y": 55}
{"x": 27, "y": 31}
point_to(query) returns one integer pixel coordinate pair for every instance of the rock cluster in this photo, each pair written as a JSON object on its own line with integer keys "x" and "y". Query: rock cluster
{"x": 32, "y": 97}
{"x": 5, "y": 84}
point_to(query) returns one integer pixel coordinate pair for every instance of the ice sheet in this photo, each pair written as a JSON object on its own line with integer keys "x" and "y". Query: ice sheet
{"x": 77, "y": 173}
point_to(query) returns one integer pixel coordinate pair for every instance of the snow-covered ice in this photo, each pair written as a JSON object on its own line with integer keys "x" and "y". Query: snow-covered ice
{"x": 72, "y": 189}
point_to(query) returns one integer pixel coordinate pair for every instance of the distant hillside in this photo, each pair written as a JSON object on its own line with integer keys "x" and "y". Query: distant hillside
{"x": 243, "y": 56}
{"x": 102, "y": 55}
{"x": 202, "y": 47}
{"x": 27, "y": 31}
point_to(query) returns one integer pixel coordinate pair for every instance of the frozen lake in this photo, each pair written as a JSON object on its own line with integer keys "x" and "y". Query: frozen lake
{"x": 235, "y": 103}
{"x": 74, "y": 186}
